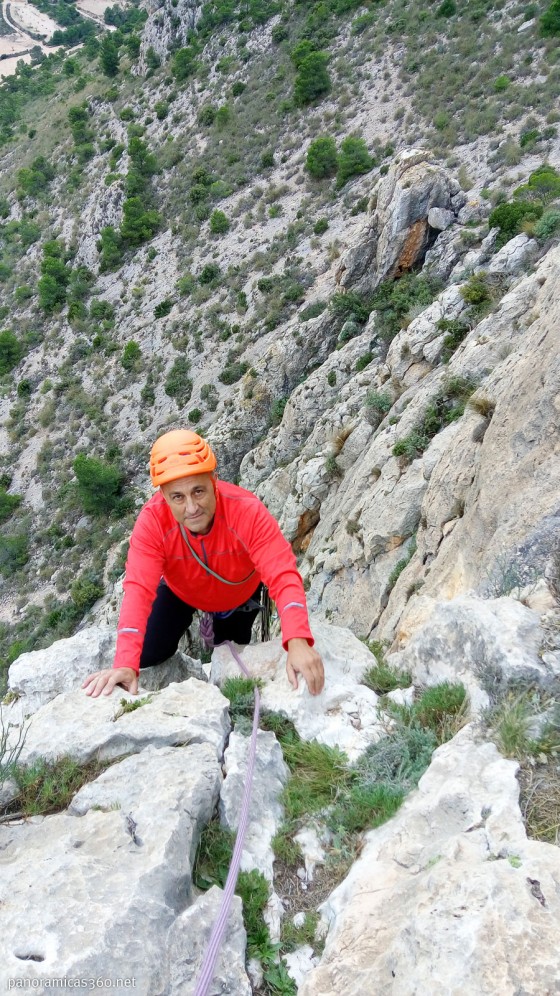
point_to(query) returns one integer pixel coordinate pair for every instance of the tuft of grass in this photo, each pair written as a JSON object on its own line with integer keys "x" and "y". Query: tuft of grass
{"x": 318, "y": 774}
{"x": 241, "y": 695}
{"x": 482, "y": 406}
{"x": 365, "y": 807}
{"x": 254, "y": 890}
{"x": 293, "y": 937}
{"x": 442, "y": 709}
{"x": 285, "y": 848}
{"x": 49, "y": 786}
{"x": 509, "y": 723}
{"x": 213, "y": 856}
{"x": 382, "y": 679}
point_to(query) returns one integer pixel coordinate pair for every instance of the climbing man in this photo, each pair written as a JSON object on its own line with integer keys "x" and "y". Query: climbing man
{"x": 201, "y": 543}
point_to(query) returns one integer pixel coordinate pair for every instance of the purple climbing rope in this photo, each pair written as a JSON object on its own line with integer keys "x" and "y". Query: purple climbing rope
{"x": 211, "y": 954}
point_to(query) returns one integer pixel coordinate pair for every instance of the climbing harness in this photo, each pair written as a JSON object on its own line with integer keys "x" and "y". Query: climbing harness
{"x": 206, "y": 973}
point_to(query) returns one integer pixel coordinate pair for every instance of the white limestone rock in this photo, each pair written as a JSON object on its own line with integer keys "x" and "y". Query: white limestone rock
{"x": 344, "y": 715}
{"x": 41, "y": 675}
{"x": 187, "y": 941}
{"x": 449, "y": 896}
{"x": 515, "y": 256}
{"x": 440, "y": 219}
{"x": 476, "y": 641}
{"x": 270, "y": 775}
{"x": 113, "y": 879}
{"x": 82, "y": 727}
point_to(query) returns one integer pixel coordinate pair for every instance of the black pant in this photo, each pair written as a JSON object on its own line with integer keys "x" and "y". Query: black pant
{"x": 170, "y": 618}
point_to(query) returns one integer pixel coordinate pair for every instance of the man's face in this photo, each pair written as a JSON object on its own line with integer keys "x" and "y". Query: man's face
{"x": 192, "y": 501}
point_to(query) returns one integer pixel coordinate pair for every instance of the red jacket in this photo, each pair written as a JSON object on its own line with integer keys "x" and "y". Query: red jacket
{"x": 244, "y": 537}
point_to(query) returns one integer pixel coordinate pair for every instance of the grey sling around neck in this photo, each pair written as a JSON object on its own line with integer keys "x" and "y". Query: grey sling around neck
{"x": 205, "y": 566}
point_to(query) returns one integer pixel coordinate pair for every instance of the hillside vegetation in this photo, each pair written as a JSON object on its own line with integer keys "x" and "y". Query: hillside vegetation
{"x": 175, "y": 197}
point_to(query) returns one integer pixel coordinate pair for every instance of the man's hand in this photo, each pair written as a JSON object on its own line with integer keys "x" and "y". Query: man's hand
{"x": 304, "y": 660}
{"x": 105, "y": 681}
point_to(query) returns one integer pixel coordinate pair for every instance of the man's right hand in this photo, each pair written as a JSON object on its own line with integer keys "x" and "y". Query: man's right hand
{"x": 104, "y": 681}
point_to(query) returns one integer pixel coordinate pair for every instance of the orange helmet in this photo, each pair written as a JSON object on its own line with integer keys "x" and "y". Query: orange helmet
{"x": 180, "y": 453}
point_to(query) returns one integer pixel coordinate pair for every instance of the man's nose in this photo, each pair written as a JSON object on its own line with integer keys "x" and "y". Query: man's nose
{"x": 190, "y": 505}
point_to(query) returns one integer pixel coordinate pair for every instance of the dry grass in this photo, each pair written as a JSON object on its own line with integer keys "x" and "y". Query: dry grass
{"x": 540, "y": 801}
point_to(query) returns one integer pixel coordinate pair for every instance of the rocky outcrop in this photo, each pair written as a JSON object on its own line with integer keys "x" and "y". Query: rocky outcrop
{"x": 449, "y": 896}
{"x": 486, "y": 644}
{"x": 167, "y": 27}
{"x": 415, "y": 201}
{"x": 480, "y": 499}
{"x": 40, "y": 675}
{"x": 119, "y": 872}
{"x": 345, "y": 715}
{"x": 81, "y": 727}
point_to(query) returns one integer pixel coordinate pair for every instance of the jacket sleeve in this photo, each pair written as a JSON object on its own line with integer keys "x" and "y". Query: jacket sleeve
{"x": 274, "y": 560}
{"x": 144, "y": 568}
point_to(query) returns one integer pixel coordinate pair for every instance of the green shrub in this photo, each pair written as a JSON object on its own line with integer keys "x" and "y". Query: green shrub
{"x": 331, "y": 378}
{"x": 267, "y": 159}
{"x": 131, "y": 355}
{"x": 109, "y": 56}
{"x": 139, "y": 224}
{"x": 476, "y": 291}
{"x": 350, "y": 306}
{"x": 312, "y": 310}
{"x": 322, "y": 158}
{"x": 393, "y": 300}
{"x": 445, "y": 408}
{"x": 184, "y": 64}
{"x": 456, "y": 331}
{"x": 550, "y": 20}
{"x": 185, "y": 285}
{"x": 379, "y": 401}
{"x": 312, "y": 80}
{"x": 161, "y": 108}
{"x": 238, "y": 88}
{"x": 446, "y": 9}
{"x": 11, "y": 351}
{"x": 195, "y": 415}
{"x": 86, "y": 590}
{"x": 209, "y": 274}
{"x": 277, "y": 410}
{"x": 510, "y": 217}
{"x": 320, "y": 226}
{"x": 219, "y": 223}
{"x": 99, "y": 484}
{"x": 233, "y": 372}
{"x": 542, "y": 186}
{"x": 178, "y": 384}
{"x": 14, "y": 553}
{"x": 111, "y": 249}
{"x": 353, "y": 160}
{"x": 548, "y": 225}
{"x": 163, "y": 308}
{"x": 8, "y": 504}
{"x": 363, "y": 361}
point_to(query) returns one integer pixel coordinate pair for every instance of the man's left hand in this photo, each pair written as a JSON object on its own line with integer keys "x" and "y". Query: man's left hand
{"x": 304, "y": 660}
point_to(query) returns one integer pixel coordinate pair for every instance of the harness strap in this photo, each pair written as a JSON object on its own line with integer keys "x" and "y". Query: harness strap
{"x": 205, "y": 566}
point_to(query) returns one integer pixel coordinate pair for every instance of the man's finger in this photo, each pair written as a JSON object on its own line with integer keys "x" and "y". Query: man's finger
{"x": 91, "y": 677}
{"x": 292, "y": 676}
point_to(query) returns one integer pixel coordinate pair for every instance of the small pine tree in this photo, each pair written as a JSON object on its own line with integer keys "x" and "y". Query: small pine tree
{"x": 109, "y": 56}
{"x": 313, "y": 80}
